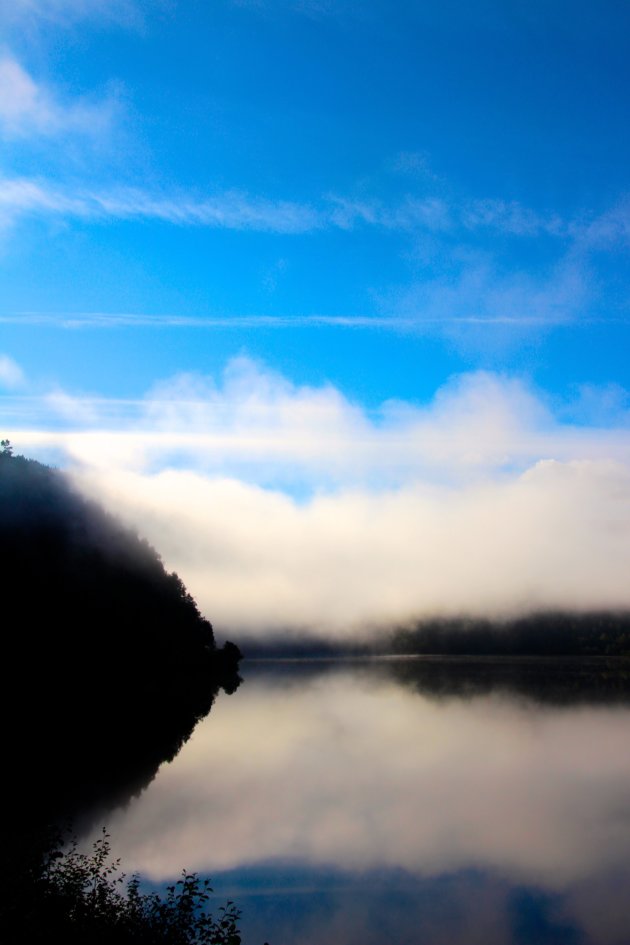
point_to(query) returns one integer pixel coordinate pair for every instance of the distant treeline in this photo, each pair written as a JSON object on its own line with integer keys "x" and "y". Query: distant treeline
{"x": 561, "y": 633}
{"x": 540, "y": 634}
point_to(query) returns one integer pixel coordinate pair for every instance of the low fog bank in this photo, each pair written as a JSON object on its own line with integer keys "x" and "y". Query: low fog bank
{"x": 295, "y": 512}
{"x": 345, "y": 565}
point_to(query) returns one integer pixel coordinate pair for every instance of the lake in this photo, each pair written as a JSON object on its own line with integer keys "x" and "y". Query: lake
{"x": 481, "y": 802}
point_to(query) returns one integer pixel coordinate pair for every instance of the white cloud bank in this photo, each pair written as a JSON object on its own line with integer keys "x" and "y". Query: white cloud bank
{"x": 258, "y": 561}
{"x": 482, "y": 502}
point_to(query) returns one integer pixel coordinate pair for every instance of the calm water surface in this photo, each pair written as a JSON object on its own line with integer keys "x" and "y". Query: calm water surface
{"x": 403, "y": 801}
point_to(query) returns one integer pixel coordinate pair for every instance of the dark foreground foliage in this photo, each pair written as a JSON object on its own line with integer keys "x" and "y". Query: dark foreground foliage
{"x": 73, "y": 897}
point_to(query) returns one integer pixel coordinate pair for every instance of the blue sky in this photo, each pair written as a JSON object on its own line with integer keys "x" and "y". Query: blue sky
{"x": 315, "y": 202}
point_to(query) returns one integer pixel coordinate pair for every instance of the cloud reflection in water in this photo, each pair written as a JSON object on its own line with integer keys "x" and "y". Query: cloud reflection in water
{"x": 352, "y": 771}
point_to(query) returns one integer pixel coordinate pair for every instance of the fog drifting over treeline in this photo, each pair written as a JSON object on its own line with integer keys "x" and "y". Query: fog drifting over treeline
{"x": 293, "y": 509}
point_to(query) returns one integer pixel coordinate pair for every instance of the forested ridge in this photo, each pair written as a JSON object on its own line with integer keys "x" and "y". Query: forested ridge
{"x": 111, "y": 666}
{"x": 110, "y": 649}
{"x": 548, "y": 633}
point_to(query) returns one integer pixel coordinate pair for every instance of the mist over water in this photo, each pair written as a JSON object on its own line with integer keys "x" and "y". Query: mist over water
{"x": 293, "y": 510}
{"x": 347, "y": 564}
{"x": 320, "y": 310}
{"x": 352, "y": 801}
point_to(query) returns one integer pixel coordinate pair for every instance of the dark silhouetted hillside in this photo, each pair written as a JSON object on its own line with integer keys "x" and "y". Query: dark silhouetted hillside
{"x": 108, "y": 664}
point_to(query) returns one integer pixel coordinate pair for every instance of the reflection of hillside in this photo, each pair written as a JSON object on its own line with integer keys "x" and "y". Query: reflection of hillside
{"x": 114, "y": 665}
{"x": 569, "y": 681}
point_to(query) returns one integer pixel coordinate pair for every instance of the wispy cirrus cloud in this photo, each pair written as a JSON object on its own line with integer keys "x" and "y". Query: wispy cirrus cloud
{"x": 234, "y": 208}
{"x": 461, "y": 287}
{"x": 474, "y": 293}
{"x": 445, "y": 215}
{"x": 11, "y": 374}
{"x": 431, "y": 213}
{"x": 512, "y": 218}
{"x": 230, "y": 210}
{"x": 610, "y": 229}
{"x": 397, "y": 323}
{"x": 31, "y": 109}
{"x": 440, "y": 215}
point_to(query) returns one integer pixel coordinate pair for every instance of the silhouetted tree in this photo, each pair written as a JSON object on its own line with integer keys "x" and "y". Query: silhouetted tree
{"x": 78, "y": 898}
